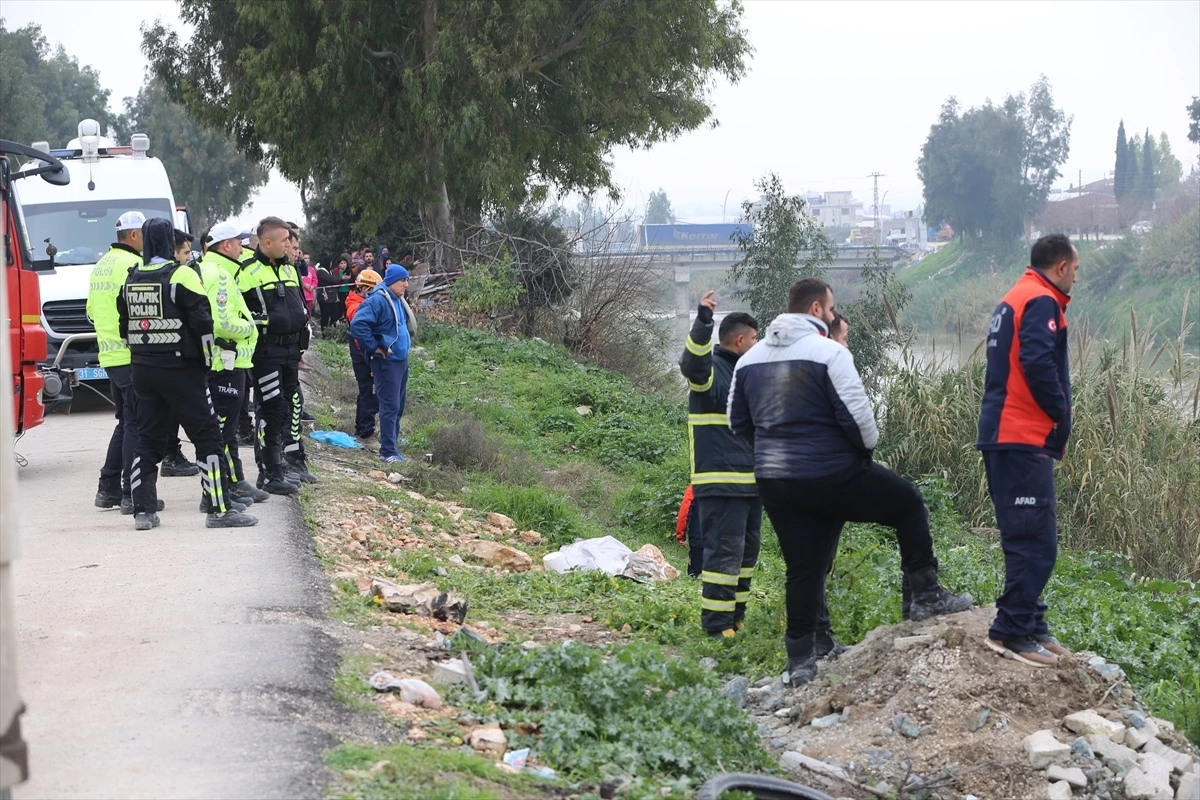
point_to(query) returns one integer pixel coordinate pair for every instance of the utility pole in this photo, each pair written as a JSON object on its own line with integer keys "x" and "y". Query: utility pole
{"x": 878, "y": 238}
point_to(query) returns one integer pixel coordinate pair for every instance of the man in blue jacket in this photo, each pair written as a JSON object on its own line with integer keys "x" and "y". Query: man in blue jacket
{"x": 381, "y": 330}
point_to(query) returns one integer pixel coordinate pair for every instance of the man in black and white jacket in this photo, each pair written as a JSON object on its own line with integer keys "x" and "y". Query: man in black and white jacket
{"x": 799, "y": 401}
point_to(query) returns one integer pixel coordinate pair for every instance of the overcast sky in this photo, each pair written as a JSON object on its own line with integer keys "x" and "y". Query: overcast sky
{"x": 834, "y": 90}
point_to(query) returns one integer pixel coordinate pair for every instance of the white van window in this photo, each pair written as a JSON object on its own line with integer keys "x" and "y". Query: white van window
{"x": 83, "y": 231}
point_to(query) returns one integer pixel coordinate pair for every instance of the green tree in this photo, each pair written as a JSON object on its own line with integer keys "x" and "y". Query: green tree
{"x": 1044, "y": 144}
{"x": 1149, "y": 168}
{"x": 44, "y": 94}
{"x": 1193, "y": 110}
{"x": 873, "y": 316}
{"x": 1132, "y": 207}
{"x": 464, "y": 106}
{"x": 541, "y": 259}
{"x": 1168, "y": 170}
{"x": 658, "y": 209}
{"x": 970, "y": 166}
{"x": 208, "y": 173}
{"x": 335, "y": 223}
{"x": 1121, "y": 168}
{"x": 781, "y": 245}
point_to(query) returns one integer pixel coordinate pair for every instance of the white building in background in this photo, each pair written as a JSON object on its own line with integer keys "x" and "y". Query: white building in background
{"x": 835, "y": 209}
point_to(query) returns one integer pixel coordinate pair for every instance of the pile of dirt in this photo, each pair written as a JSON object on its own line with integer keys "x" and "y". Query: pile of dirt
{"x": 926, "y": 710}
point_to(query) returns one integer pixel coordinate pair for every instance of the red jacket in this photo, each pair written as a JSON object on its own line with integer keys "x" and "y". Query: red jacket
{"x": 353, "y": 301}
{"x": 681, "y": 521}
{"x": 1027, "y": 395}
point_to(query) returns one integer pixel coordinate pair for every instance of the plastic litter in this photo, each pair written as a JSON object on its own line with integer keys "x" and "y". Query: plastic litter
{"x": 612, "y": 557}
{"x": 337, "y": 439}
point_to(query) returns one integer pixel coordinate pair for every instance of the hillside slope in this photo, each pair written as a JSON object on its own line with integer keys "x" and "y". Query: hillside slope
{"x": 1150, "y": 275}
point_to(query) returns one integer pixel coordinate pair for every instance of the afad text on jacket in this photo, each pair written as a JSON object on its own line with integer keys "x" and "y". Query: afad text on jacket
{"x": 1027, "y": 394}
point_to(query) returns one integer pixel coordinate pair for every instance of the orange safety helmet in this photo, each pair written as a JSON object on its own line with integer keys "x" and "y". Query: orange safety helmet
{"x": 368, "y": 277}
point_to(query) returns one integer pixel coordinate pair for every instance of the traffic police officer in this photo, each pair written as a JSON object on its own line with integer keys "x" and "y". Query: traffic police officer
{"x": 168, "y": 326}
{"x": 236, "y": 335}
{"x": 108, "y": 277}
{"x": 271, "y": 289}
{"x": 728, "y": 508}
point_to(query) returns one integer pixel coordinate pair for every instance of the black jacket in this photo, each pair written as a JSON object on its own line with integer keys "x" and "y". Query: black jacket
{"x": 722, "y": 462}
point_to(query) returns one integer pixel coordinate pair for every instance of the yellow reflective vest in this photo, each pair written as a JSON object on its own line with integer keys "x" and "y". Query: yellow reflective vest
{"x": 233, "y": 324}
{"x": 108, "y": 277}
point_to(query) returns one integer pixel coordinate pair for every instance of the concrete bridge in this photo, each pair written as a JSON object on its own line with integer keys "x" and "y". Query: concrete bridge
{"x": 676, "y": 266}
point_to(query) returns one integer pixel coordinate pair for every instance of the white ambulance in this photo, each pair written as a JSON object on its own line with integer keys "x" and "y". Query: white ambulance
{"x": 70, "y": 227}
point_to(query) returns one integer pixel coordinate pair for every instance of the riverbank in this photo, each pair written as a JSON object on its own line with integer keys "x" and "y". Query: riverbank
{"x": 567, "y": 451}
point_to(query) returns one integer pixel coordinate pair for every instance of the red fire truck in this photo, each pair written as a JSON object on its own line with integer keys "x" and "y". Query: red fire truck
{"x": 27, "y": 339}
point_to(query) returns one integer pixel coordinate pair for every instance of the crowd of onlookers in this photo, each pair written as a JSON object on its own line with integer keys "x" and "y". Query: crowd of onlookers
{"x": 332, "y": 284}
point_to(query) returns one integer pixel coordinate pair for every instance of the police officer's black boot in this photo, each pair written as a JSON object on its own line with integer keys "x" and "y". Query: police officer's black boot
{"x": 127, "y": 505}
{"x": 105, "y": 499}
{"x": 297, "y": 464}
{"x": 930, "y": 598}
{"x": 802, "y": 658}
{"x": 244, "y": 488}
{"x": 176, "y": 466}
{"x": 275, "y": 482}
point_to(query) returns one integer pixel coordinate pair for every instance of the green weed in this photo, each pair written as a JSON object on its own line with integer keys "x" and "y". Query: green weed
{"x": 404, "y": 772}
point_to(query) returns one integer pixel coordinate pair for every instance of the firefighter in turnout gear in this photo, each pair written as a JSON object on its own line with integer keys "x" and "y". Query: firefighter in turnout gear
{"x": 168, "y": 326}
{"x": 236, "y": 336}
{"x": 729, "y": 511}
{"x": 271, "y": 290}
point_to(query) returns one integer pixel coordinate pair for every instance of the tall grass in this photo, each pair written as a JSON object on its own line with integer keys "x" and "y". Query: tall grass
{"x": 1130, "y": 481}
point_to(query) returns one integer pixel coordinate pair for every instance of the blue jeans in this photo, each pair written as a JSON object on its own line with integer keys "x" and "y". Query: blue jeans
{"x": 1021, "y": 484}
{"x": 391, "y": 390}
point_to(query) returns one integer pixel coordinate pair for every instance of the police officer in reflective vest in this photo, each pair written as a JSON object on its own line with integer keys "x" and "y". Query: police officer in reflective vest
{"x": 236, "y": 335}
{"x": 271, "y": 289}
{"x": 728, "y": 508}
{"x": 108, "y": 277}
{"x": 168, "y": 326}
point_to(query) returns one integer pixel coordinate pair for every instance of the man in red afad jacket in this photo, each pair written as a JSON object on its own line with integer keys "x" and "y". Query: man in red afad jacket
{"x": 1023, "y": 426}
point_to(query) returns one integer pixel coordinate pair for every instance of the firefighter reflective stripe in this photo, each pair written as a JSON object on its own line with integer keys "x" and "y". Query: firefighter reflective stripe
{"x": 703, "y": 387}
{"x": 698, "y": 349}
{"x": 707, "y": 604}
{"x": 719, "y": 578}
{"x": 747, "y": 572}
{"x": 708, "y": 419}
{"x": 701, "y": 478}
{"x": 742, "y": 597}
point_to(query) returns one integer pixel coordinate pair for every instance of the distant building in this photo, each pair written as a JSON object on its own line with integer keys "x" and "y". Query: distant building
{"x": 1091, "y": 208}
{"x": 835, "y": 209}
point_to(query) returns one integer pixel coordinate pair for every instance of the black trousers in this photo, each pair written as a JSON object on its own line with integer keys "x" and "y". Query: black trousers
{"x": 808, "y": 517}
{"x": 1021, "y": 484}
{"x": 367, "y": 405}
{"x": 732, "y": 529}
{"x": 164, "y": 395}
{"x": 228, "y": 388}
{"x": 695, "y": 540}
{"x": 114, "y": 475}
{"x": 277, "y": 388}
{"x": 331, "y": 312}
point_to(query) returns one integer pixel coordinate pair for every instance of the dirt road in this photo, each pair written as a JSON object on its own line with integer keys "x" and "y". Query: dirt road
{"x": 180, "y": 662}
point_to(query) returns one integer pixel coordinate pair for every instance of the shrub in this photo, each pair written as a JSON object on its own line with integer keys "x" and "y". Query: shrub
{"x": 1129, "y": 477}
{"x": 466, "y": 445}
{"x": 629, "y": 706}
